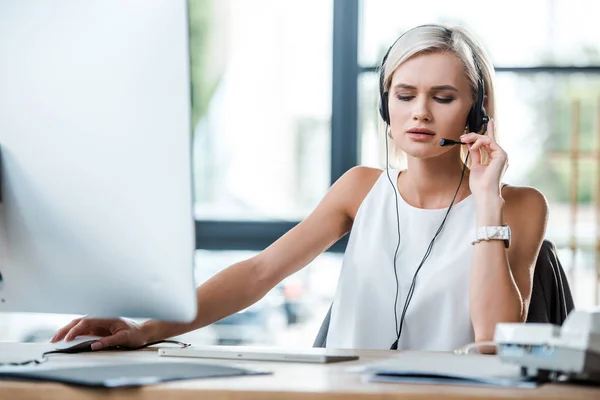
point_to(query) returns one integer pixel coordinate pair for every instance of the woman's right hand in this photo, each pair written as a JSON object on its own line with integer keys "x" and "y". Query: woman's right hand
{"x": 115, "y": 332}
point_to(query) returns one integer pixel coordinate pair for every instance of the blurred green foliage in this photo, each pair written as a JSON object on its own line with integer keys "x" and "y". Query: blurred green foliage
{"x": 554, "y": 113}
{"x": 203, "y": 84}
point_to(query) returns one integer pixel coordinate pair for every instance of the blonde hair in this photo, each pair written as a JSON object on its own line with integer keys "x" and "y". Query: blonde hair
{"x": 458, "y": 41}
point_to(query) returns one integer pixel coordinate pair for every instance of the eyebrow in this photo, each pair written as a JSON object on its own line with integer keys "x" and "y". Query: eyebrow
{"x": 434, "y": 88}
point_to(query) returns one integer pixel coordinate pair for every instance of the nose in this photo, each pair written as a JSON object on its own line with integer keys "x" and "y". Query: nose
{"x": 421, "y": 111}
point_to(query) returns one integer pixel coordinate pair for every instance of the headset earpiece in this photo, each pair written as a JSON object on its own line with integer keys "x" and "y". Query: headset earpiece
{"x": 383, "y": 95}
{"x": 477, "y": 118}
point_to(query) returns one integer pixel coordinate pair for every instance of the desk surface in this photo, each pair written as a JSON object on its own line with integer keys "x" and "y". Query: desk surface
{"x": 288, "y": 381}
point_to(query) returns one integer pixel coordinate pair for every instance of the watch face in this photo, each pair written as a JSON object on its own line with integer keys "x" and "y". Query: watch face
{"x": 501, "y": 232}
{"x": 504, "y": 233}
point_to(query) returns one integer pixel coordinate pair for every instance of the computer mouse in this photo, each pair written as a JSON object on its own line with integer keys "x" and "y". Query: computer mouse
{"x": 77, "y": 345}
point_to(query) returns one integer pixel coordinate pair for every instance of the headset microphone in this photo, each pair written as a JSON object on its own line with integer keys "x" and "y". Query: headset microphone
{"x": 449, "y": 142}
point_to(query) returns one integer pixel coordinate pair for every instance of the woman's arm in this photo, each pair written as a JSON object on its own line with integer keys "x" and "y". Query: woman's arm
{"x": 246, "y": 282}
{"x": 243, "y": 284}
{"x": 501, "y": 279}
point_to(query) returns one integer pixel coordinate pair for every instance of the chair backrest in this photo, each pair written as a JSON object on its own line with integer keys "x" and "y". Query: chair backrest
{"x": 321, "y": 339}
{"x": 551, "y": 299}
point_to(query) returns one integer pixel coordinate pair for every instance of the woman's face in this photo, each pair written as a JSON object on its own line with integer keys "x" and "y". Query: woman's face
{"x": 429, "y": 99}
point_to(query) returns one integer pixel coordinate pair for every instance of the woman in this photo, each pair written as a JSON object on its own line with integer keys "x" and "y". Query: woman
{"x": 428, "y": 264}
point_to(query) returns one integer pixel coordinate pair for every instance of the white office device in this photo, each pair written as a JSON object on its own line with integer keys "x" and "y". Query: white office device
{"x": 96, "y": 211}
{"x": 310, "y": 355}
{"x": 547, "y": 351}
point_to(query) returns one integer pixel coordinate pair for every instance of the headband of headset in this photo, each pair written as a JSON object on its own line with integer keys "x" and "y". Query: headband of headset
{"x": 477, "y": 117}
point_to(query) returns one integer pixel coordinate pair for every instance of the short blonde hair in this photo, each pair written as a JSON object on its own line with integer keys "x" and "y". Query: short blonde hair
{"x": 458, "y": 41}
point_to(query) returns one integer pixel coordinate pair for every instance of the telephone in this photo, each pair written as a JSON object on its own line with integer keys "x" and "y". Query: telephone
{"x": 569, "y": 352}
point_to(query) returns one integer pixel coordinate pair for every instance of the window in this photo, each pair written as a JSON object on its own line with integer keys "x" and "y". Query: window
{"x": 289, "y": 315}
{"x": 261, "y": 78}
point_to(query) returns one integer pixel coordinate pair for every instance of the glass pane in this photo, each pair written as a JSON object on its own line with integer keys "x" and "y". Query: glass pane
{"x": 540, "y": 32}
{"x": 371, "y": 134}
{"x": 288, "y": 316}
{"x": 261, "y": 79}
{"x": 535, "y": 121}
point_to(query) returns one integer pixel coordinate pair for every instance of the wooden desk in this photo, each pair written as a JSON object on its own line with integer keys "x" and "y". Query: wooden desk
{"x": 289, "y": 381}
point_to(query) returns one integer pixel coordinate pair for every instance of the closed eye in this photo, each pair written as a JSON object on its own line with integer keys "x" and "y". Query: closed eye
{"x": 444, "y": 100}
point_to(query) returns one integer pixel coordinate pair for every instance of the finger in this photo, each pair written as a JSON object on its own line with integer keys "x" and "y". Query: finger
{"x": 481, "y": 142}
{"x": 80, "y": 328}
{"x": 60, "y": 334}
{"x": 475, "y": 156}
{"x": 488, "y": 144}
{"x": 473, "y": 137}
{"x": 491, "y": 129}
{"x": 494, "y": 151}
{"x": 98, "y": 326}
{"x": 99, "y": 331}
{"x": 118, "y": 339}
{"x": 474, "y": 148}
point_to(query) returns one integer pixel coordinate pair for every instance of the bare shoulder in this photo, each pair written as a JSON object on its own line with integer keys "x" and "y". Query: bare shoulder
{"x": 331, "y": 219}
{"x": 361, "y": 176}
{"x": 521, "y": 201}
{"x": 354, "y": 185}
{"x": 525, "y": 210}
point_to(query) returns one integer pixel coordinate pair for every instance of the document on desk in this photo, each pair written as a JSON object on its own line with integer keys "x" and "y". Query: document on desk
{"x": 447, "y": 368}
{"x": 24, "y": 354}
{"x": 121, "y": 372}
{"x": 124, "y": 375}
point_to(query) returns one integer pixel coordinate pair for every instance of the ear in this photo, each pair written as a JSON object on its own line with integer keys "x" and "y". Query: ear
{"x": 485, "y": 101}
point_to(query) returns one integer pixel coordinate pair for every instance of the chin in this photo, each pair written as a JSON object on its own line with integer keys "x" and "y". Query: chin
{"x": 421, "y": 150}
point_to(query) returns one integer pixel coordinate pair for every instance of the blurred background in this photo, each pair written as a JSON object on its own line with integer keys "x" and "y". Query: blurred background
{"x": 285, "y": 101}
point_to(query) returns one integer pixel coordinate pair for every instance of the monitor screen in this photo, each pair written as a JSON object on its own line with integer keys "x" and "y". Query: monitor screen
{"x": 96, "y": 212}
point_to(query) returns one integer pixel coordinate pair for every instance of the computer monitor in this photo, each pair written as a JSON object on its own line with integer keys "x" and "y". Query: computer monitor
{"x": 96, "y": 215}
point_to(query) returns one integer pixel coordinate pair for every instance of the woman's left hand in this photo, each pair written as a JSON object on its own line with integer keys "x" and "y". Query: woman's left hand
{"x": 485, "y": 179}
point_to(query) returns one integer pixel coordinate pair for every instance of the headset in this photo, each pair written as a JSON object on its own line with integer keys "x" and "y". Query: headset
{"x": 477, "y": 120}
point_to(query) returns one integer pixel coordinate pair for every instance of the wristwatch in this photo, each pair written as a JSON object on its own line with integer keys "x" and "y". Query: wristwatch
{"x": 493, "y": 233}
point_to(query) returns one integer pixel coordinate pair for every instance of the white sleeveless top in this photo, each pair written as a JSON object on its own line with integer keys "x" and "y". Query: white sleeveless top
{"x": 438, "y": 316}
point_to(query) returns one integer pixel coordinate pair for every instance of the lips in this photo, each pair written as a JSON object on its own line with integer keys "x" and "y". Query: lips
{"x": 421, "y": 131}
